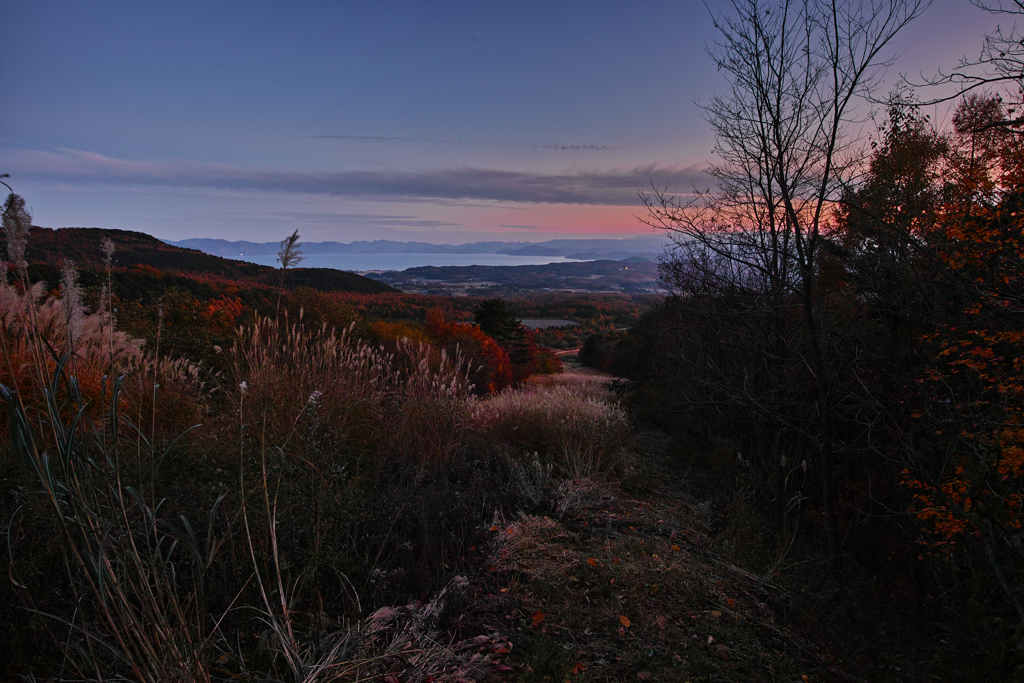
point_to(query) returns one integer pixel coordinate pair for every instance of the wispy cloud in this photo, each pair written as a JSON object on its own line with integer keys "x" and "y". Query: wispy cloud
{"x": 365, "y": 220}
{"x": 545, "y": 147}
{"x": 519, "y": 227}
{"x": 592, "y": 187}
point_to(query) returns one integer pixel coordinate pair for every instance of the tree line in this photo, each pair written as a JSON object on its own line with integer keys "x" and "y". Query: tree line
{"x": 846, "y": 315}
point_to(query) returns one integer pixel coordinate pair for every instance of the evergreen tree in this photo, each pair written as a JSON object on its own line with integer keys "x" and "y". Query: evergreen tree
{"x": 496, "y": 321}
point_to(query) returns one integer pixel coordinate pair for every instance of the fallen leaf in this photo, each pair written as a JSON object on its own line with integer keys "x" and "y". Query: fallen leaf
{"x": 662, "y": 622}
{"x": 711, "y": 639}
{"x": 716, "y": 614}
{"x": 592, "y": 562}
{"x": 538, "y": 617}
{"x": 494, "y": 528}
{"x": 644, "y": 675}
{"x": 675, "y": 547}
{"x": 579, "y": 667}
{"x": 624, "y": 620}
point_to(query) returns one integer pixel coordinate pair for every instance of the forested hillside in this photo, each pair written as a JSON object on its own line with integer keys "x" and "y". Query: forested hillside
{"x": 841, "y": 349}
{"x": 84, "y": 246}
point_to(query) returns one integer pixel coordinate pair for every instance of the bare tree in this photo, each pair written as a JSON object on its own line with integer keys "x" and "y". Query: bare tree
{"x": 797, "y": 73}
{"x": 289, "y": 256}
{"x": 1000, "y": 62}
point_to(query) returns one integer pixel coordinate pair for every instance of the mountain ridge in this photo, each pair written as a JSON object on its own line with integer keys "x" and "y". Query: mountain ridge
{"x": 48, "y": 246}
{"x": 641, "y": 245}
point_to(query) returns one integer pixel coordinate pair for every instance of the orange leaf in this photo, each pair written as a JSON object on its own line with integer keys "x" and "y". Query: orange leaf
{"x": 662, "y": 622}
{"x": 624, "y": 620}
{"x": 538, "y": 617}
{"x": 675, "y": 547}
{"x": 592, "y": 562}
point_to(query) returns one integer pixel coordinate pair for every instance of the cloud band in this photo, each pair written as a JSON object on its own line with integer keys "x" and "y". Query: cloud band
{"x": 602, "y": 187}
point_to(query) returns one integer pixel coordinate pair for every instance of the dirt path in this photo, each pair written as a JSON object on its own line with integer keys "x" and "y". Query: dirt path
{"x": 621, "y": 582}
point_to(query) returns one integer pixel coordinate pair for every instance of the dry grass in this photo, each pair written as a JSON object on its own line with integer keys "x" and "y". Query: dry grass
{"x": 411, "y": 405}
{"x": 250, "y": 550}
{"x": 582, "y": 379}
{"x": 172, "y": 550}
{"x": 573, "y": 427}
{"x": 39, "y": 329}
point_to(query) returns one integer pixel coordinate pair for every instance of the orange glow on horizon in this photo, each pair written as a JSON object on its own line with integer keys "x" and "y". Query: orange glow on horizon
{"x": 522, "y": 220}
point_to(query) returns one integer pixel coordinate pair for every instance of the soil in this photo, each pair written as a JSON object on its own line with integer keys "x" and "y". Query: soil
{"x": 622, "y": 582}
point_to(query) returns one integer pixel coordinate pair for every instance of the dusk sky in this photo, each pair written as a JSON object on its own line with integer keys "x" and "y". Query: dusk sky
{"x": 436, "y": 122}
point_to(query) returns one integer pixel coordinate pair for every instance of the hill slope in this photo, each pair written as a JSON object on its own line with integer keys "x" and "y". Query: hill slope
{"x": 84, "y": 246}
{"x": 603, "y": 275}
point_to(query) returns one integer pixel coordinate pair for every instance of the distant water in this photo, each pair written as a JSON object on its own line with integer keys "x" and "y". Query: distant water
{"x": 545, "y": 323}
{"x": 360, "y": 262}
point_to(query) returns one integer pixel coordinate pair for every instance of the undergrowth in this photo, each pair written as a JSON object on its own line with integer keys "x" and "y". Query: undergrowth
{"x": 305, "y": 516}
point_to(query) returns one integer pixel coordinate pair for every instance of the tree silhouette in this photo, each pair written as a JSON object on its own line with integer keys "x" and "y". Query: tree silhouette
{"x": 796, "y": 72}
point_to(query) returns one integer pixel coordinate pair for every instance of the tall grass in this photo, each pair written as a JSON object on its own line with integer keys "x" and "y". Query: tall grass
{"x": 134, "y": 578}
{"x": 137, "y": 578}
{"x": 576, "y": 428}
{"x": 328, "y": 393}
{"x": 329, "y": 478}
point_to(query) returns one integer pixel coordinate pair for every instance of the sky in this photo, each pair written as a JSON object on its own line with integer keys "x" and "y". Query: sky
{"x": 436, "y": 122}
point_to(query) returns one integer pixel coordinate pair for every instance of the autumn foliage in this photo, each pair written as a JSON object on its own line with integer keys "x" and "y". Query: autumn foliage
{"x": 490, "y": 368}
{"x": 976, "y": 381}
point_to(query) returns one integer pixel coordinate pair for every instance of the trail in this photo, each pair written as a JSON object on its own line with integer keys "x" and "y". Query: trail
{"x": 623, "y": 582}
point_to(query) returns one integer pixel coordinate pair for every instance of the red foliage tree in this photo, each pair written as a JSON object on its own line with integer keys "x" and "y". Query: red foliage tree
{"x": 490, "y": 369}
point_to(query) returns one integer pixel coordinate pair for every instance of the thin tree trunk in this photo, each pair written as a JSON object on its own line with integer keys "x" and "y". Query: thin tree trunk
{"x": 823, "y": 403}
{"x": 990, "y": 552}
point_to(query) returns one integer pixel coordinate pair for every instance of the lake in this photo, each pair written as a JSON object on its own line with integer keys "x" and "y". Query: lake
{"x": 363, "y": 262}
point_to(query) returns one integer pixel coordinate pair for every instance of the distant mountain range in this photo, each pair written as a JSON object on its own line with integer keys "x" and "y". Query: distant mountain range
{"x": 646, "y": 246}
